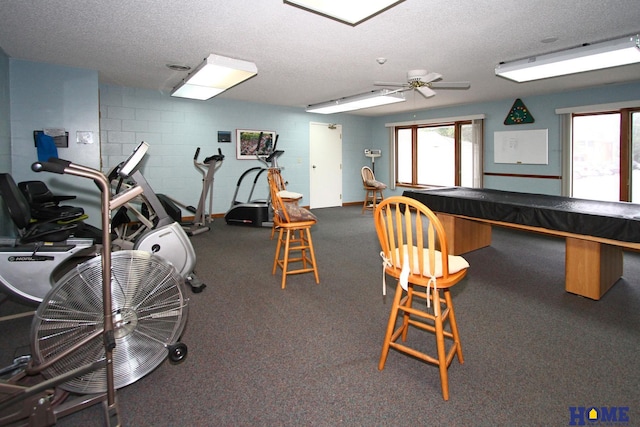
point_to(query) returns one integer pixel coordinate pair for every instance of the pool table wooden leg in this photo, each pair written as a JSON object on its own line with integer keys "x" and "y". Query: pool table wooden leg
{"x": 464, "y": 235}
{"x": 591, "y": 268}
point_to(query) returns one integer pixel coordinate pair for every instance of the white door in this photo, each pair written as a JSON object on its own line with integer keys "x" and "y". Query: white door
{"x": 325, "y": 167}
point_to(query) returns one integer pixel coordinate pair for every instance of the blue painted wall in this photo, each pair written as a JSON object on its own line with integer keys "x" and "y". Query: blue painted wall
{"x": 5, "y": 118}
{"x": 542, "y": 108}
{"x": 44, "y": 95}
{"x": 176, "y": 127}
{"x": 5, "y": 133}
{"x": 50, "y": 96}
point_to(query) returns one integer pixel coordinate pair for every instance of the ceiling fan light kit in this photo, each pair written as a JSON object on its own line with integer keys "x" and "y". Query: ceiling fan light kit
{"x": 351, "y": 12}
{"x": 215, "y": 75}
{"x": 356, "y": 102}
{"x": 589, "y": 57}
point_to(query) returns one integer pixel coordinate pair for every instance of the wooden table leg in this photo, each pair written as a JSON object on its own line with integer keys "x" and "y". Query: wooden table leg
{"x": 591, "y": 268}
{"x": 465, "y": 235}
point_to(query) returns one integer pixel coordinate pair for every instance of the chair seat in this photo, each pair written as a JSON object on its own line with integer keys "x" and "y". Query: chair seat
{"x": 289, "y": 195}
{"x": 295, "y": 225}
{"x": 456, "y": 263}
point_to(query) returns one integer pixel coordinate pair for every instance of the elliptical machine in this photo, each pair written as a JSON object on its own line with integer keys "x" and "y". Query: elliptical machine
{"x": 161, "y": 233}
{"x": 254, "y": 212}
{"x": 202, "y": 217}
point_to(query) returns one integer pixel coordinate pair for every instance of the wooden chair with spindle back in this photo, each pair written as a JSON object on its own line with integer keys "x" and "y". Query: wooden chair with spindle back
{"x": 414, "y": 249}
{"x": 373, "y": 189}
{"x": 294, "y": 232}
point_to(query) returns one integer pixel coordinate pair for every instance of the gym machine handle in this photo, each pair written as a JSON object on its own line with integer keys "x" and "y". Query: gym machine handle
{"x": 53, "y": 165}
{"x": 216, "y": 157}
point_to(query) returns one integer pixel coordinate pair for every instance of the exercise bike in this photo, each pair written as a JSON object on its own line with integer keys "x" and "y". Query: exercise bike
{"x": 109, "y": 311}
{"x": 202, "y": 216}
{"x": 31, "y": 264}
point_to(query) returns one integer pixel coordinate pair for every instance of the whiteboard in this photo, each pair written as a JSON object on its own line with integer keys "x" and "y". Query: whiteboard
{"x": 521, "y": 147}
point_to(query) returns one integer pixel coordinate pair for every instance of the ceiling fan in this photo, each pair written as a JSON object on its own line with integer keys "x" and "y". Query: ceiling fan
{"x": 424, "y": 82}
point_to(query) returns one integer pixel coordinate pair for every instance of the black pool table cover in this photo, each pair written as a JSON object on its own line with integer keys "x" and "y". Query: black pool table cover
{"x": 610, "y": 220}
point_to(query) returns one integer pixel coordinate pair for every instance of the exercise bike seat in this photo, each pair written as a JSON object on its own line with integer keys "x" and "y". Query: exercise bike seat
{"x": 20, "y": 213}
{"x": 45, "y": 205}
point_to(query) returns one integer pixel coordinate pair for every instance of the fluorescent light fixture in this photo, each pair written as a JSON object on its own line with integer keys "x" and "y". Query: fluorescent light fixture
{"x": 351, "y": 12}
{"x": 215, "y": 75}
{"x": 357, "y": 102}
{"x": 612, "y": 53}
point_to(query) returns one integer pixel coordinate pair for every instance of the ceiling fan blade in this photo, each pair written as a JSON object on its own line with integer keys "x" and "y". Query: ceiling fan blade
{"x": 430, "y": 77}
{"x": 451, "y": 85}
{"x": 425, "y": 91}
{"x": 394, "y": 84}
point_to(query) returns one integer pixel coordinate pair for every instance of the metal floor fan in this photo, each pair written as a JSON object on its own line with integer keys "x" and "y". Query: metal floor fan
{"x": 149, "y": 314}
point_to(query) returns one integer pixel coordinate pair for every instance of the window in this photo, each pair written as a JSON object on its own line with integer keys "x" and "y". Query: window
{"x": 634, "y": 133}
{"x": 439, "y": 154}
{"x": 605, "y": 161}
{"x": 596, "y": 156}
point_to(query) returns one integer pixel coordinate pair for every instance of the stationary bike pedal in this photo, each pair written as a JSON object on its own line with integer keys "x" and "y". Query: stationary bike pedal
{"x": 196, "y": 284}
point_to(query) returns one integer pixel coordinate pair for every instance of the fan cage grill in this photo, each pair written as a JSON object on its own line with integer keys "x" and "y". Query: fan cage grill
{"x": 149, "y": 311}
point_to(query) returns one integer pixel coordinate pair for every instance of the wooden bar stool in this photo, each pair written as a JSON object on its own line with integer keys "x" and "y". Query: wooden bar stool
{"x": 414, "y": 248}
{"x": 373, "y": 189}
{"x": 294, "y": 235}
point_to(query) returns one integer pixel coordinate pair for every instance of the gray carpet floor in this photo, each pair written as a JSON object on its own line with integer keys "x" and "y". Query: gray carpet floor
{"x": 308, "y": 355}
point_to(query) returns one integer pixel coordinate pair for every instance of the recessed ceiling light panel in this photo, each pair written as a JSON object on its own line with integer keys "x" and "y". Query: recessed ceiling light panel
{"x": 351, "y": 12}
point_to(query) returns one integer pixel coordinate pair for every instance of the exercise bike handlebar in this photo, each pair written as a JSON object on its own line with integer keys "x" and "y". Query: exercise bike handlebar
{"x": 53, "y": 165}
{"x": 67, "y": 167}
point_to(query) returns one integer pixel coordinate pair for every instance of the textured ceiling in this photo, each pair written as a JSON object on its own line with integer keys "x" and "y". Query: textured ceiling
{"x": 304, "y": 58}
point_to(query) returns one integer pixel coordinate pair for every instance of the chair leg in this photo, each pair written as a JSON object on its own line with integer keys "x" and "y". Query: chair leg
{"x": 278, "y": 248}
{"x": 312, "y": 252}
{"x": 454, "y": 325}
{"x": 303, "y": 243}
{"x": 381, "y": 195}
{"x": 440, "y": 344}
{"x": 366, "y": 200}
{"x": 405, "y": 315}
{"x": 391, "y": 325}
{"x": 285, "y": 261}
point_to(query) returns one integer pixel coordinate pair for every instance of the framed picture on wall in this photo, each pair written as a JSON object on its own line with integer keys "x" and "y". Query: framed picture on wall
{"x": 252, "y": 143}
{"x": 224, "y": 136}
